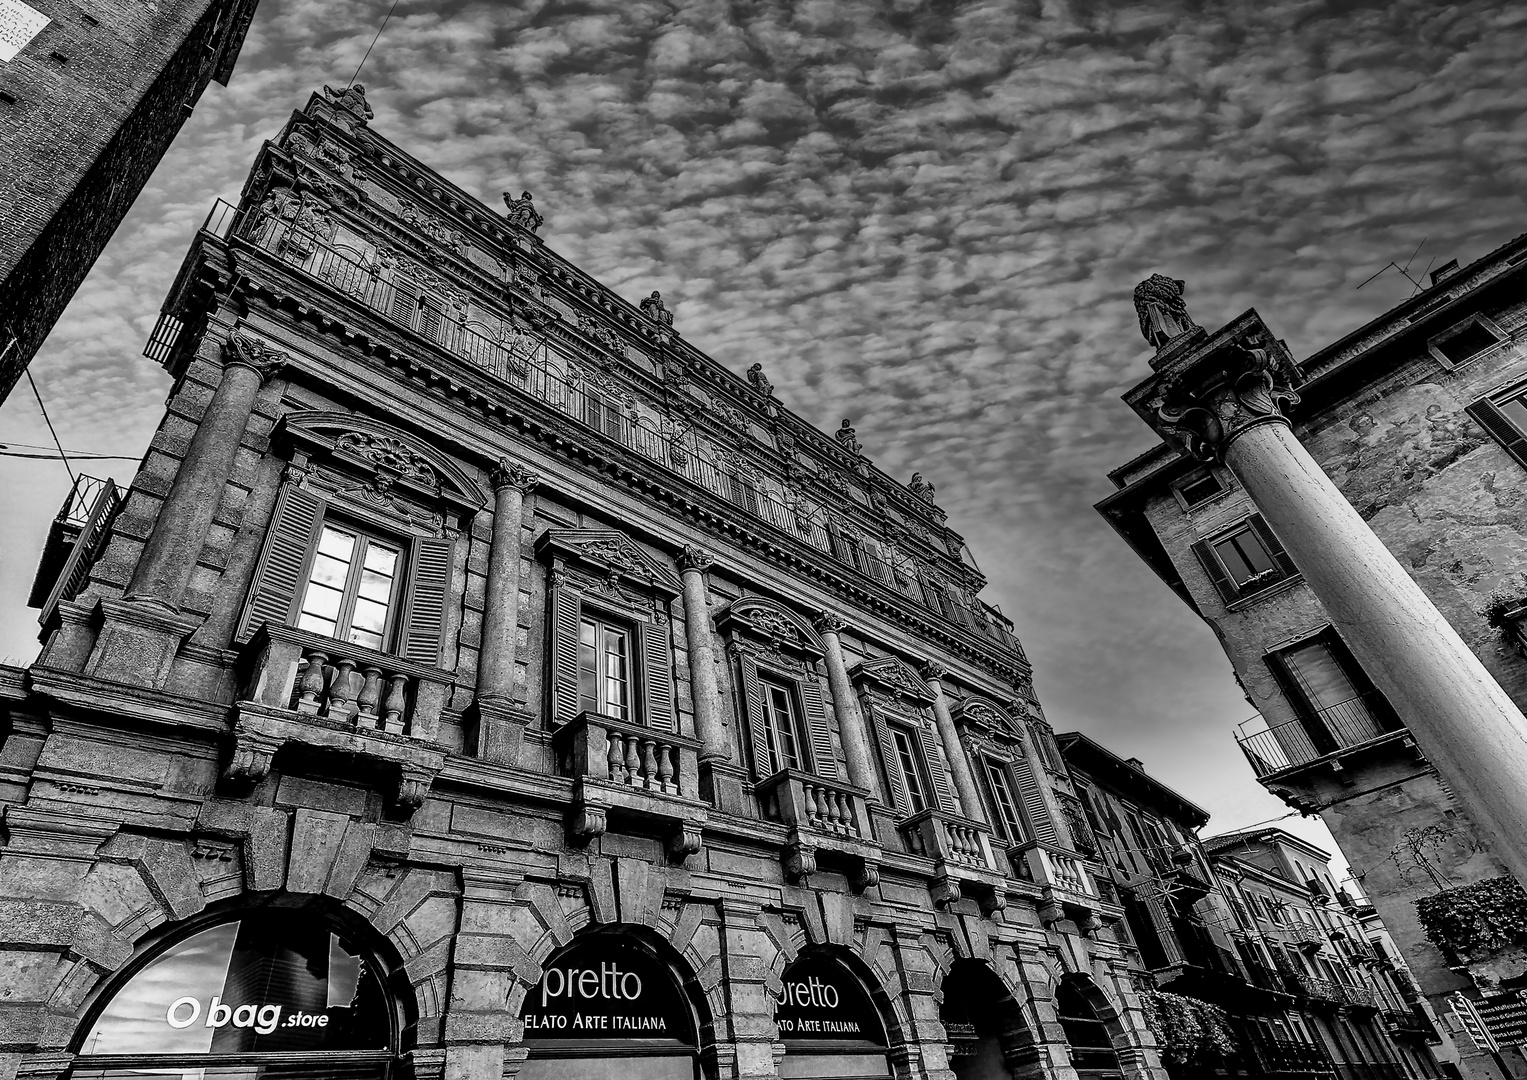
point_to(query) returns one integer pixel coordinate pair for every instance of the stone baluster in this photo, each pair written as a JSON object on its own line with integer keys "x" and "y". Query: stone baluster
{"x": 341, "y": 693}
{"x": 649, "y": 764}
{"x": 616, "y": 756}
{"x": 500, "y": 724}
{"x": 665, "y": 767}
{"x": 709, "y": 729}
{"x": 370, "y": 696}
{"x": 392, "y": 708}
{"x": 856, "y": 743}
{"x": 959, "y": 765}
{"x": 1222, "y": 397}
{"x": 311, "y": 683}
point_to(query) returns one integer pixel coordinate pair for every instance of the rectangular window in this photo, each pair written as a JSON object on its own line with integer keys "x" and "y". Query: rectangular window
{"x": 1337, "y": 705}
{"x": 601, "y": 415}
{"x": 782, "y": 725}
{"x": 604, "y": 669}
{"x": 1004, "y": 808}
{"x": 1463, "y": 342}
{"x": 908, "y": 759}
{"x": 1504, "y": 417}
{"x": 1244, "y": 560}
{"x": 352, "y": 587}
{"x": 1198, "y": 489}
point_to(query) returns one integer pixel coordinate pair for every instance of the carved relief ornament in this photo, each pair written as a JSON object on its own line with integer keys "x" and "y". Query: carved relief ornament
{"x": 507, "y": 474}
{"x": 241, "y": 350}
{"x": 1240, "y": 387}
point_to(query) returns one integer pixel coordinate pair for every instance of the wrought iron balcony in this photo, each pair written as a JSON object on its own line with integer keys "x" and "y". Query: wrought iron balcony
{"x": 73, "y": 539}
{"x": 822, "y": 816}
{"x": 1314, "y": 989}
{"x": 647, "y": 776}
{"x": 315, "y": 692}
{"x": 1307, "y": 937}
{"x": 1358, "y": 721}
{"x": 1360, "y": 997}
{"x": 1405, "y": 1023}
{"x": 1291, "y": 1056}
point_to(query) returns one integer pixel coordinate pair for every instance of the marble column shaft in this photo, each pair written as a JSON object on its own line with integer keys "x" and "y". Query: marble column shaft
{"x": 169, "y": 557}
{"x": 954, "y": 750}
{"x": 851, "y": 725}
{"x": 501, "y": 600}
{"x": 702, "y": 664}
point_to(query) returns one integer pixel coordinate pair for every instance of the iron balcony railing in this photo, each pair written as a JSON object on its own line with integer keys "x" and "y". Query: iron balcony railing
{"x": 524, "y": 362}
{"x": 1353, "y": 722}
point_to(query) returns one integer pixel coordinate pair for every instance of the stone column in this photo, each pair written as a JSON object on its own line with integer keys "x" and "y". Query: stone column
{"x": 164, "y": 569}
{"x": 500, "y": 724}
{"x": 1223, "y": 396}
{"x": 702, "y": 662}
{"x": 959, "y": 765}
{"x": 856, "y": 742}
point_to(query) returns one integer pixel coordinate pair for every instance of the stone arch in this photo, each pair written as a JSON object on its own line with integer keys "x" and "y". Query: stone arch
{"x": 883, "y": 988}
{"x": 1103, "y": 1010}
{"x": 398, "y": 982}
{"x": 985, "y": 1021}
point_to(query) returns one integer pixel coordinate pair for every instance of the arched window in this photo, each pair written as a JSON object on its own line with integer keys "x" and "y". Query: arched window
{"x": 270, "y": 994}
{"x": 828, "y": 1023}
{"x": 1092, "y": 1050}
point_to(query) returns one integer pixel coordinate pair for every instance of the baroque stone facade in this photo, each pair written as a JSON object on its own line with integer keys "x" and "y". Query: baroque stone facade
{"x": 509, "y": 688}
{"x": 1416, "y": 421}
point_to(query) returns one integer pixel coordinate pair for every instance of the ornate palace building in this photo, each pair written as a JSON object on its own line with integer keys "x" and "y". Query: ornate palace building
{"x": 1351, "y": 526}
{"x": 477, "y": 680}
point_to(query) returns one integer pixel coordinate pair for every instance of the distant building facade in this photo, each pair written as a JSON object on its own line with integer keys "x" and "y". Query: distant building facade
{"x": 476, "y": 680}
{"x": 1418, "y": 418}
{"x": 91, "y": 97}
{"x": 1229, "y": 924}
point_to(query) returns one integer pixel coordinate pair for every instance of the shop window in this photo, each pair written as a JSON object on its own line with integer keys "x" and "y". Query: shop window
{"x": 324, "y": 572}
{"x": 604, "y": 669}
{"x": 1198, "y": 488}
{"x": 828, "y": 1023}
{"x": 1244, "y": 560}
{"x": 352, "y": 587}
{"x": 270, "y": 994}
{"x": 1504, "y": 416}
{"x": 1463, "y": 342}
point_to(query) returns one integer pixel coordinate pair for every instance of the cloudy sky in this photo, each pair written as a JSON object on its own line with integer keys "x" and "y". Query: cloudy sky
{"x": 927, "y": 216}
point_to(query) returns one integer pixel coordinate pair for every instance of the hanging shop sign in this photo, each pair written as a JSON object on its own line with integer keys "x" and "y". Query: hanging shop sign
{"x": 821, "y": 999}
{"x": 606, "y": 987}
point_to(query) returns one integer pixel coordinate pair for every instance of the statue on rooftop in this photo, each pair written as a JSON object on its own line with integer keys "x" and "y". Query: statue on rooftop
{"x": 921, "y": 488}
{"x": 522, "y": 212}
{"x": 760, "y": 381}
{"x": 846, "y": 439}
{"x": 653, "y": 308}
{"x": 352, "y": 99}
{"x": 1163, "y": 314}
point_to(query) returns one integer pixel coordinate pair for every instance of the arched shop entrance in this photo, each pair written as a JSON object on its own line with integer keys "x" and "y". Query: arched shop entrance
{"x": 1092, "y": 1052}
{"x": 276, "y": 993}
{"x": 609, "y": 1008}
{"x": 828, "y": 1023}
{"x": 983, "y": 1021}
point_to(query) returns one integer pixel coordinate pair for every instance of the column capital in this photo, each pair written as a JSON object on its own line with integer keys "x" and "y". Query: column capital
{"x": 826, "y": 622}
{"x": 931, "y": 670}
{"x": 695, "y": 558}
{"x": 241, "y": 350}
{"x": 1209, "y": 389}
{"x": 512, "y": 474}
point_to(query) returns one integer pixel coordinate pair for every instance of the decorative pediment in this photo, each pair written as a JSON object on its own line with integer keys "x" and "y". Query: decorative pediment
{"x": 767, "y": 622}
{"x": 398, "y": 460}
{"x": 894, "y": 676}
{"x": 988, "y": 718}
{"x": 609, "y": 555}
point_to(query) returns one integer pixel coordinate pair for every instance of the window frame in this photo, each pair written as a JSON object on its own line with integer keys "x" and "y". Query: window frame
{"x": 349, "y": 594}
{"x": 1490, "y": 326}
{"x": 602, "y": 624}
{"x": 1006, "y": 819}
{"x": 794, "y": 720}
{"x": 1179, "y": 488}
{"x": 1281, "y": 571}
{"x": 923, "y": 793}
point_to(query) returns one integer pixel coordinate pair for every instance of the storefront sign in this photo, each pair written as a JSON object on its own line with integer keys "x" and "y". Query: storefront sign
{"x": 821, "y": 999}
{"x": 606, "y": 988}
{"x": 19, "y": 24}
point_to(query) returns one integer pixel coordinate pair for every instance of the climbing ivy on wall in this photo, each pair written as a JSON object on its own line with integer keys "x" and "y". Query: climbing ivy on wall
{"x": 1192, "y": 1032}
{"x": 1478, "y": 920}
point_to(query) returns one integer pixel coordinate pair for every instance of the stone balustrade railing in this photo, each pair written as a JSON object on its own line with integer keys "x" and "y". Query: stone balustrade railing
{"x": 808, "y": 802}
{"x": 629, "y": 755}
{"x": 937, "y": 835}
{"x": 1060, "y": 874}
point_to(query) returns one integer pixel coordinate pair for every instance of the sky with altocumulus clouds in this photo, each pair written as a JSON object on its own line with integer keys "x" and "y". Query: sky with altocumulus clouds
{"x": 924, "y": 216}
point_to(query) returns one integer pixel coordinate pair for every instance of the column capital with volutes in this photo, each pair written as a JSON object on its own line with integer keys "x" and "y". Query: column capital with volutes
{"x": 1207, "y": 390}
{"x": 695, "y": 558}
{"x": 513, "y": 474}
{"x": 826, "y": 622}
{"x": 244, "y": 351}
{"x": 932, "y": 671}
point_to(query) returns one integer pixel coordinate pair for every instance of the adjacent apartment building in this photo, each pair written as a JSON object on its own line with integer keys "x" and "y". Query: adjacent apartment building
{"x": 1245, "y": 968}
{"x": 476, "y": 680}
{"x": 91, "y": 96}
{"x": 1419, "y": 419}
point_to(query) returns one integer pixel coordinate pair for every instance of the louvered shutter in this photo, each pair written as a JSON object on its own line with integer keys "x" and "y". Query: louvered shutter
{"x": 566, "y": 611}
{"x": 1227, "y": 590}
{"x": 1041, "y": 825}
{"x": 404, "y": 303}
{"x": 278, "y": 577}
{"x": 1274, "y": 548}
{"x": 889, "y": 766}
{"x": 823, "y": 763}
{"x": 657, "y": 675}
{"x": 430, "y": 320}
{"x": 752, "y": 709}
{"x": 938, "y": 774}
{"x": 428, "y": 581}
{"x": 1488, "y": 415}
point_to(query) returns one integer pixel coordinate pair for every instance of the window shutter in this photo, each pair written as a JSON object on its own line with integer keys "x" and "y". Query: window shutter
{"x": 1227, "y": 590}
{"x": 278, "y": 578}
{"x": 1274, "y": 548}
{"x": 430, "y": 320}
{"x": 822, "y": 760}
{"x": 1040, "y": 823}
{"x": 566, "y": 610}
{"x": 752, "y": 709}
{"x": 1488, "y": 416}
{"x": 405, "y": 302}
{"x": 938, "y": 774}
{"x": 657, "y": 675}
{"x": 888, "y": 763}
{"x": 429, "y": 578}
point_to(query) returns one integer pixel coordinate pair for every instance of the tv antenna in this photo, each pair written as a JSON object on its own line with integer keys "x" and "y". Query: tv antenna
{"x": 1405, "y": 270}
